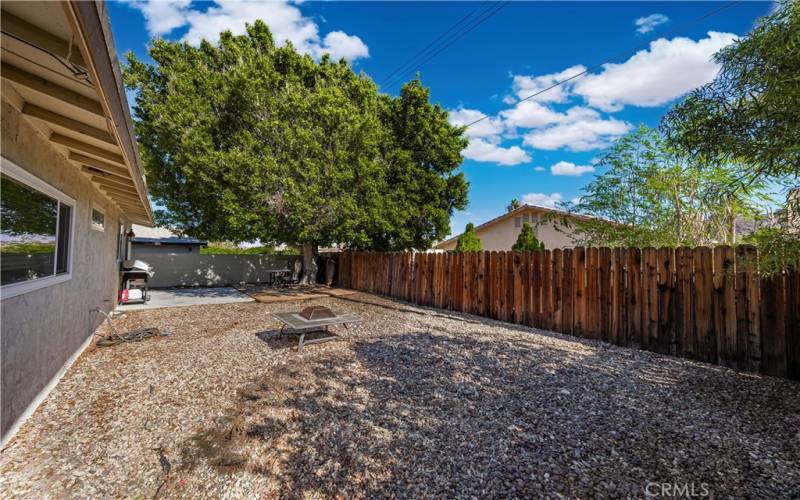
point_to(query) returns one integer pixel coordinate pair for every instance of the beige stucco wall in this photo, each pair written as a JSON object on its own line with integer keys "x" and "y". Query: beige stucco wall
{"x": 183, "y": 268}
{"x": 40, "y": 330}
{"x": 503, "y": 234}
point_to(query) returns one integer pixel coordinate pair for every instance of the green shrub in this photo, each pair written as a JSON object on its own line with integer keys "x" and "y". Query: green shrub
{"x": 527, "y": 240}
{"x": 469, "y": 241}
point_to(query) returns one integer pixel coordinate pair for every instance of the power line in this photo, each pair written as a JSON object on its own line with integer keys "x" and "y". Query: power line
{"x": 626, "y": 52}
{"x": 411, "y": 61}
{"x": 497, "y": 7}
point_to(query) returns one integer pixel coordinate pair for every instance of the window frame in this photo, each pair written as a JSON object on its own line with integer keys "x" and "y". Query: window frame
{"x": 24, "y": 177}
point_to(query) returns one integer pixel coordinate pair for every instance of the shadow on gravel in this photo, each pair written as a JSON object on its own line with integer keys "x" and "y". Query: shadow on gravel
{"x": 428, "y": 415}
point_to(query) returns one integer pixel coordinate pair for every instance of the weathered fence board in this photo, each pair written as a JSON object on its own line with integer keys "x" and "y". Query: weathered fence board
{"x": 702, "y": 303}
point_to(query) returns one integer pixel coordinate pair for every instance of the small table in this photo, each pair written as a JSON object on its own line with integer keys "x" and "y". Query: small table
{"x": 304, "y": 326}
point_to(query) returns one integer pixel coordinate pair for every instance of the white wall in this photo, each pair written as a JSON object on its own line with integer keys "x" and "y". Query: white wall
{"x": 503, "y": 234}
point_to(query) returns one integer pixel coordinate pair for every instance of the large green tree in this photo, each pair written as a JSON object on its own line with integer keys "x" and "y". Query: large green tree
{"x": 750, "y": 113}
{"x": 245, "y": 140}
{"x": 651, "y": 194}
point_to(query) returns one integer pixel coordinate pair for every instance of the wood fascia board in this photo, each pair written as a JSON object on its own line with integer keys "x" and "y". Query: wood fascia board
{"x": 90, "y": 23}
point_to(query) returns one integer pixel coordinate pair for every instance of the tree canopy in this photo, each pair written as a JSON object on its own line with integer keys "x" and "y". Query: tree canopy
{"x": 244, "y": 140}
{"x": 652, "y": 194}
{"x": 513, "y": 205}
{"x": 469, "y": 241}
{"x": 750, "y": 112}
{"x": 527, "y": 240}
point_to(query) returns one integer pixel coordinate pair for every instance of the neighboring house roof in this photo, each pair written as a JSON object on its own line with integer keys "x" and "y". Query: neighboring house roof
{"x": 161, "y": 236}
{"x": 508, "y": 215}
{"x": 60, "y": 71}
{"x": 169, "y": 241}
{"x": 746, "y": 226}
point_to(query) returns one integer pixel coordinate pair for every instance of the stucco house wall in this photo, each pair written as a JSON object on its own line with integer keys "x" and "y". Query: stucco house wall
{"x": 502, "y": 234}
{"x": 41, "y": 329}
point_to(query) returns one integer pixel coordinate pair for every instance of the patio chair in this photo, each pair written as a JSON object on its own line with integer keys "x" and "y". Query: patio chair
{"x": 294, "y": 274}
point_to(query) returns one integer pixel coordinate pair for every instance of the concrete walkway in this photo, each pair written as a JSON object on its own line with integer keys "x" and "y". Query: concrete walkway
{"x": 180, "y": 297}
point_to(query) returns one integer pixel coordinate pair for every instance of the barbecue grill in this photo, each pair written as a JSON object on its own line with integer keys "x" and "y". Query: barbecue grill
{"x": 135, "y": 277}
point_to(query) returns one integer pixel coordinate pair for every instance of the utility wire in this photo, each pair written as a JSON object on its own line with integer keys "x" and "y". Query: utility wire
{"x": 626, "y": 52}
{"x": 411, "y": 61}
{"x": 497, "y": 7}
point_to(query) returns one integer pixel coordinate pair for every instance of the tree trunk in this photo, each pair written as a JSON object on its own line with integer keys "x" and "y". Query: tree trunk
{"x": 309, "y": 276}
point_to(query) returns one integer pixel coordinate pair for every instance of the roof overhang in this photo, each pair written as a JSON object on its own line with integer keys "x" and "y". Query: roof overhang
{"x": 60, "y": 70}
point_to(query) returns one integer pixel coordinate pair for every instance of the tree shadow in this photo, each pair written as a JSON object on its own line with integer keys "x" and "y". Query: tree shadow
{"x": 428, "y": 414}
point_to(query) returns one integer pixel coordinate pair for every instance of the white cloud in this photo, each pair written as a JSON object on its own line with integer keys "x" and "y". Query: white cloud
{"x": 163, "y": 17}
{"x": 525, "y": 86}
{"x": 485, "y": 138}
{"x": 542, "y": 199}
{"x": 509, "y": 99}
{"x": 340, "y": 45}
{"x": 581, "y": 129}
{"x": 568, "y": 168}
{"x": 285, "y": 21}
{"x": 488, "y": 151}
{"x": 653, "y": 77}
{"x": 539, "y": 169}
{"x": 530, "y": 114}
{"x": 488, "y": 127}
{"x": 648, "y": 23}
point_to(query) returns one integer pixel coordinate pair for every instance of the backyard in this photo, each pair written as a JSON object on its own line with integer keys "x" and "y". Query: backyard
{"x": 412, "y": 402}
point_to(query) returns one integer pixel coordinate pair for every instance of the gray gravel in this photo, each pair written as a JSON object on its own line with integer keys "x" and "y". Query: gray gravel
{"x": 413, "y": 402}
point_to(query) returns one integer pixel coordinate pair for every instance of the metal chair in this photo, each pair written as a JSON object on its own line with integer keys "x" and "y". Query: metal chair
{"x": 294, "y": 276}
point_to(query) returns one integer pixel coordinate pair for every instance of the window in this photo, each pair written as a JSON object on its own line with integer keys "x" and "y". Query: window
{"x": 517, "y": 221}
{"x": 98, "y": 220}
{"x": 526, "y": 218}
{"x": 35, "y": 232}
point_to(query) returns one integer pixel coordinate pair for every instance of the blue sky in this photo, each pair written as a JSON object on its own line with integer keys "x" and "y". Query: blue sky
{"x": 540, "y": 150}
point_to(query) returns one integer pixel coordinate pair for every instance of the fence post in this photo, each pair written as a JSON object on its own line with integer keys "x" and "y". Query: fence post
{"x": 793, "y": 323}
{"x": 547, "y": 290}
{"x": 558, "y": 272}
{"x": 705, "y": 335}
{"x": 592, "y": 294}
{"x": 773, "y": 325}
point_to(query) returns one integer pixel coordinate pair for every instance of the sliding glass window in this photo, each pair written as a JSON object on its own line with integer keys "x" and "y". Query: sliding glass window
{"x": 35, "y": 230}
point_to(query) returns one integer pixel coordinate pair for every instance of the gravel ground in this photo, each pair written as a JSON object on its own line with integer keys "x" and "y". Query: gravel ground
{"x": 413, "y": 402}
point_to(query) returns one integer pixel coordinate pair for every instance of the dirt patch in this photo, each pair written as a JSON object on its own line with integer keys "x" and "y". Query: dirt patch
{"x": 412, "y": 402}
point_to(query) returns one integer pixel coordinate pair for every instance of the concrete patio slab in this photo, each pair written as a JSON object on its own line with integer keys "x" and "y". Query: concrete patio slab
{"x": 268, "y": 294}
{"x": 182, "y": 297}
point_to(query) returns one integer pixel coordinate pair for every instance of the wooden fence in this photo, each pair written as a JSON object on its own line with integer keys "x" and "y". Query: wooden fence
{"x": 700, "y": 303}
